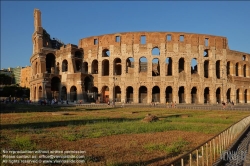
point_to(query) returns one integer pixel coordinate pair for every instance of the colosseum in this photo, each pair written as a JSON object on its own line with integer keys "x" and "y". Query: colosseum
{"x": 138, "y": 67}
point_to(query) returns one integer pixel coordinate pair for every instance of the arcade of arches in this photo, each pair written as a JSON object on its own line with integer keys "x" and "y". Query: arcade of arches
{"x": 140, "y": 67}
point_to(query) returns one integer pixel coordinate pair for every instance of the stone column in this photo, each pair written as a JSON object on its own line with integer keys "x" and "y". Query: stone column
{"x": 135, "y": 94}
{"x": 149, "y": 94}
{"x": 175, "y": 94}
{"x": 187, "y": 94}
{"x": 162, "y": 95}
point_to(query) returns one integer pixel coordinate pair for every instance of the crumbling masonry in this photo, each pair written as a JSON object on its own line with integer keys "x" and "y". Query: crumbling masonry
{"x": 139, "y": 67}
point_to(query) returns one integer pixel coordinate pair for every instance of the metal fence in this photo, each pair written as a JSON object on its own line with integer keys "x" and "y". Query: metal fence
{"x": 213, "y": 149}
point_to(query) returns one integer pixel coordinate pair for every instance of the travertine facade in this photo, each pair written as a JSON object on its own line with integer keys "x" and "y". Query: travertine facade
{"x": 139, "y": 67}
{"x": 25, "y": 77}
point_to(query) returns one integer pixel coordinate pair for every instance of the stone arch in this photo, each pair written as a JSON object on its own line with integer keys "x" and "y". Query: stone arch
{"x": 130, "y": 65}
{"x": 79, "y": 64}
{"x": 194, "y": 66}
{"x": 55, "y": 85}
{"x": 244, "y": 70}
{"x": 237, "y": 69}
{"x": 206, "y": 95}
{"x": 229, "y": 95}
{"x": 155, "y": 67}
{"x": 64, "y": 65}
{"x": 117, "y": 94}
{"x": 181, "y": 65}
{"x": 245, "y": 96}
{"x": 169, "y": 94}
{"x": 64, "y": 93}
{"x": 181, "y": 94}
{"x": 169, "y": 66}
{"x": 105, "y": 94}
{"x": 143, "y": 94}
{"x": 73, "y": 93}
{"x": 87, "y": 84}
{"x": 78, "y": 54}
{"x": 218, "y": 95}
{"x": 129, "y": 94}
{"x": 94, "y": 67}
{"x": 50, "y": 63}
{"x": 206, "y": 68}
{"x": 105, "y": 53}
{"x": 194, "y": 97}
{"x": 117, "y": 66}
{"x": 34, "y": 93}
{"x": 218, "y": 66}
{"x": 143, "y": 64}
{"x": 155, "y": 51}
{"x": 40, "y": 92}
{"x": 155, "y": 94}
{"x": 237, "y": 95}
{"x": 105, "y": 67}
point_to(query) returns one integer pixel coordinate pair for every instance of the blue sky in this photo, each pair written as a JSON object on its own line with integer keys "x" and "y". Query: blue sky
{"x": 71, "y": 21}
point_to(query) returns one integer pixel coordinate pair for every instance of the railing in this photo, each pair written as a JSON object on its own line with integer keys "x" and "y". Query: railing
{"x": 213, "y": 149}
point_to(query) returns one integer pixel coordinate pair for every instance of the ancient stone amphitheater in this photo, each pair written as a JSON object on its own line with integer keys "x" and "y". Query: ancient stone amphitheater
{"x": 139, "y": 67}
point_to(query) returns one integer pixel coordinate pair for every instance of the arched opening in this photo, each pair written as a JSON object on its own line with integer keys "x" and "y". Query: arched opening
{"x": 55, "y": 85}
{"x": 105, "y": 67}
{"x": 94, "y": 67}
{"x": 155, "y": 67}
{"x": 169, "y": 66}
{"x": 245, "y": 70}
{"x": 155, "y": 51}
{"x": 143, "y": 64}
{"x": 206, "y": 95}
{"x": 94, "y": 94}
{"x": 206, "y": 68}
{"x": 85, "y": 67}
{"x": 73, "y": 94}
{"x": 218, "y": 69}
{"x": 169, "y": 92}
{"x": 181, "y": 94}
{"x": 40, "y": 92}
{"x": 194, "y": 95}
{"x": 181, "y": 65}
{"x": 87, "y": 84}
{"x": 50, "y": 63}
{"x": 79, "y": 66}
{"x": 245, "y": 96}
{"x": 129, "y": 94}
{"x": 194, "y": 69}
{"x": 64, "y": 65}
{"x": 244, "y": 57}
{"x": 117, "y": 94}
{"x": 205, "y": 53}
{"x": 117, "y": 66}
{"x": 130, "y": 65}
{"x": 105, "y": 53}
{"x": 64, "y": 93}
{"x": 156, "y": 94}
{"x": 229, "y": 95}
{"x": 78, "y": 54}
{"x": 218, "y": 95}
{"x": 34, "y": 93}
{"x": 237, "y": 95}
{"x": 105, "y": 94}
{"x": 228, "y": 68}
{"x": 237, "y": 69}
{"x": 143, "y": 94}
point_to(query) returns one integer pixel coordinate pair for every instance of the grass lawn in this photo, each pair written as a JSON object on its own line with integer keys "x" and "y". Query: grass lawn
{"x": 112, "y": 136}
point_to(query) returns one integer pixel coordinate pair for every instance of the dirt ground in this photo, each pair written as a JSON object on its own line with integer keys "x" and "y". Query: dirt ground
{"x": 125, "y": 149}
